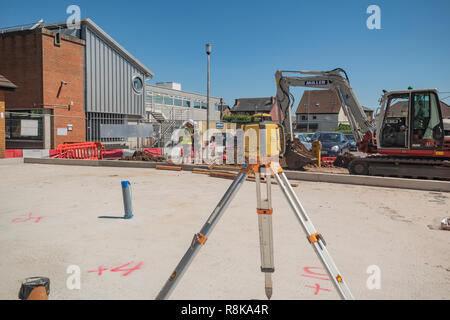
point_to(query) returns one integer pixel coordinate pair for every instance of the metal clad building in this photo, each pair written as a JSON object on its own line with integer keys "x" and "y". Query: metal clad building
{"x": 110, "y": 71}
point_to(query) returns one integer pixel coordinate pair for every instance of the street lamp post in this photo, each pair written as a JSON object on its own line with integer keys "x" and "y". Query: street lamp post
{"x": 208, "y": 53}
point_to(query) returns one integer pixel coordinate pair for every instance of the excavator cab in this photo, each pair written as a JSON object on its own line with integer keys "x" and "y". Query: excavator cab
{"x": 411, "y": 120}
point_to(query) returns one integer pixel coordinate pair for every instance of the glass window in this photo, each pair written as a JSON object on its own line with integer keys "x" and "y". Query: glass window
{"x": 197, "y": 104}
{"x": 217, "y": 107}
{"x": 168, "y": 101}
{"x": 426, "y": 120}
{"x": 157, "y": 99}
{"x": 178, "y": 102}
{"x": 138, "y": 84}
{"x": 186, "y": 103}
{"x": 204, "y": 105}
{"x": 148, "y": 98}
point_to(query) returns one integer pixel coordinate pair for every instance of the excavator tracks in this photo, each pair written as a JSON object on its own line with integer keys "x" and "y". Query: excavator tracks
{"x": 388, "y": 166}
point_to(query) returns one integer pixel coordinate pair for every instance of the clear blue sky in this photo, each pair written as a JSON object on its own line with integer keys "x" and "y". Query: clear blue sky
{"x": 252, "y": 39}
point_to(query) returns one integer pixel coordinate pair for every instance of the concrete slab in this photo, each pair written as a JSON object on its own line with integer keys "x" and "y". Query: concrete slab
{"x": 393, "y": 229}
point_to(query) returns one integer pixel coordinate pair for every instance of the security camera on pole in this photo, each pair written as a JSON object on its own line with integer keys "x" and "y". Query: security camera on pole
{"x": 208, "y": 53}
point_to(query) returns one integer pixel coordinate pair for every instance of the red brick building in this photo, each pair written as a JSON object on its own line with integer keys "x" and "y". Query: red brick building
{"x": 49, "y": 73}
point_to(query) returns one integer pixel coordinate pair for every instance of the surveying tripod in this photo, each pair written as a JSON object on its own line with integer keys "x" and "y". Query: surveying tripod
{"x": 264, "y": 210}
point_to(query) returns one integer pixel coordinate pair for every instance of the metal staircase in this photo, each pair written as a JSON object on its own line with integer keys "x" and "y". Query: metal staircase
{"x": 169, "y": 122}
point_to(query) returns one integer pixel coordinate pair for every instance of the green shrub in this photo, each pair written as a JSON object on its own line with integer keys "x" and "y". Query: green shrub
{"x": 237, "y": 118}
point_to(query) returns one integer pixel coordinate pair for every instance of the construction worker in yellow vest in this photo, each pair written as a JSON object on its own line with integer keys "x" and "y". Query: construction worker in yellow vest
{"x": 187, "y": 136}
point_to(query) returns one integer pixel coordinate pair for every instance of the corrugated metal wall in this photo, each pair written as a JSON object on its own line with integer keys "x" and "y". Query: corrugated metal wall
{"x": 109, "y": 79}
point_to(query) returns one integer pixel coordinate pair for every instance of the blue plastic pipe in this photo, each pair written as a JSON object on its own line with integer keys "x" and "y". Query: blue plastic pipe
{"x": 126, "y": 192}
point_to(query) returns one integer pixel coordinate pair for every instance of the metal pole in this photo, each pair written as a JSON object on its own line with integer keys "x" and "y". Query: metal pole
{"x": 307, "y": 130}
{"x": 208, "y": 53}
{"x": 319, "y": 246}
{"x": 200, "y": 238}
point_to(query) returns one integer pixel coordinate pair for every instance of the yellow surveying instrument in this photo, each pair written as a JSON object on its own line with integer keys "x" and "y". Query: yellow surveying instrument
{"x": 266, "y": 151}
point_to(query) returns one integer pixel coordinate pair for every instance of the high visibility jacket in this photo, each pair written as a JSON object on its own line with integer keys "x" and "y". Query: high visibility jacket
{"x": 187, "y": 139}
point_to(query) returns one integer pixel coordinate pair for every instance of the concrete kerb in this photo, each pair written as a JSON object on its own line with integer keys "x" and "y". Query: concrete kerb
{"x": 11, "y": 161}
{"x": 414, "y": 184}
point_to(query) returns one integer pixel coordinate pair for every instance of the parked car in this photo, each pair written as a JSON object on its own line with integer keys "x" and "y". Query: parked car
{"x": 305, "y": 140}
{"x": 309, "y": 136}
{"x": 333, "y": 143}
{"x": 352, "y": 141}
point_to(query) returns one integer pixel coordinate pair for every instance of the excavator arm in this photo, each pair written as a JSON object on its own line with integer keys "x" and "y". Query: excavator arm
{"x": 363, "y": 130}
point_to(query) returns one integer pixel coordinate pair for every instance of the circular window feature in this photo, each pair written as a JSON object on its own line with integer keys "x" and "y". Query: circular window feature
{"x": 138, "y": 84}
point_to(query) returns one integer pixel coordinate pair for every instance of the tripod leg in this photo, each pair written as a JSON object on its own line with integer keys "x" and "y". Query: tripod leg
{"x": 264, "y": 210}
{"x": 200, "y": 238}
{"x": 314, "y": 237}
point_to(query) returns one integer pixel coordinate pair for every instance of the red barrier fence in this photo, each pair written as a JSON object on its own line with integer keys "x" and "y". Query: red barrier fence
{"x": 152, "y": 151}
{"x": 328, "y": 160}
{"x": 13, "y": 153}
{"x": 85, "y": 150}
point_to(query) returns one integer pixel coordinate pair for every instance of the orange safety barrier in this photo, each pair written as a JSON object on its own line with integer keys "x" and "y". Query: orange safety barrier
{"x": 85, "y": 150}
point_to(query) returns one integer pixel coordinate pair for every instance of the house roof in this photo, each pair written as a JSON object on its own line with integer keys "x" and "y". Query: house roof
{"x": 254, "y": 104}
{"x": 367, "y": 109}
{"x": 445, "y": 109}
{"x": 6, "y": 85}
{"x": 319, "y": 101}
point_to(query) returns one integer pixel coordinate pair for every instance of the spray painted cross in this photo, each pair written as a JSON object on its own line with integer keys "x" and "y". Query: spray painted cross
{"x": 318, "y": 276}
{"x": 122, "y": 268}
{"x": 28, "y": 217}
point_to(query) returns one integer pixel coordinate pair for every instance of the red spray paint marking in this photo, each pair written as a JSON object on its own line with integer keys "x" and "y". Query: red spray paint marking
{"x": 99, "y": 270}
{"x": 315, "y": 275}
{"x": 28, "y": 218}
{"x": 126, "y": 271}
{"x": 318, "y": 288}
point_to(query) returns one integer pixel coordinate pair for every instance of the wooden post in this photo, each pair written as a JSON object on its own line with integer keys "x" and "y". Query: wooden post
{"x": 316, "y": 150}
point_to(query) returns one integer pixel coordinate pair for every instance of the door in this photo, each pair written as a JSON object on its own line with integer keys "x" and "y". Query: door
{"x": 426, "y": 121}
{"x": 394, "y": 132}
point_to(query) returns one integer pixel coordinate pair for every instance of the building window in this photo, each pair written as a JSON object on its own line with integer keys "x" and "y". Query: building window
{"x": 197, "y": 104}
{"x": 314, "y": 117}
{"x": 168, "y": 101}
{"x": 217, "y": 107}
{"x": 178, "y": 102}
{"x": 204, "y": 106}
{"x": 186, "y": 103}
{"x": 304, "y": 118}
{"x": 148, "y": 98}
{"x": 58, "y": 39}
{"x": 157, "y": 99}
{"x": 138, "y": 84}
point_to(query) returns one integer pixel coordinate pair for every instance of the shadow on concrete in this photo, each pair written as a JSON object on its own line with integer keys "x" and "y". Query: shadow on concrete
{"x": 109, "y": 217}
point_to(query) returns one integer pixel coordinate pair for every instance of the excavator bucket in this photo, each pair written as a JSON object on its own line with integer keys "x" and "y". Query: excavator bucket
{"x": 296, "y": 156}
